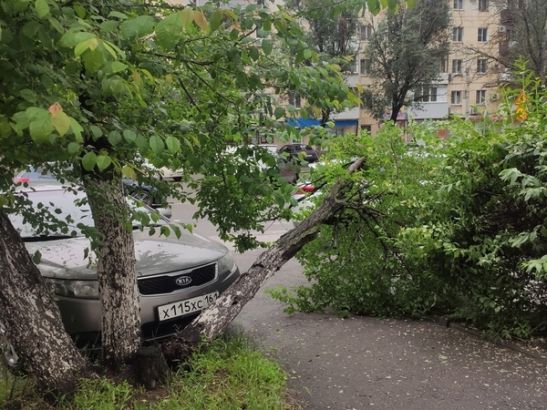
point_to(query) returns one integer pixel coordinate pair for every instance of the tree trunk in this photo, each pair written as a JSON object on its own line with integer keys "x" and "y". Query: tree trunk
{"x": 395, "y": 109}
{"x": 116, "y": 268}
{"x": 212, "y": 321}
{"x": 31, "y": 319}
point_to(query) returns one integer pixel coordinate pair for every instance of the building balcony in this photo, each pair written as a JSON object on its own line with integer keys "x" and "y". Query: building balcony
{"x": 348, "y": 114}
{"x": 429, "y": 111}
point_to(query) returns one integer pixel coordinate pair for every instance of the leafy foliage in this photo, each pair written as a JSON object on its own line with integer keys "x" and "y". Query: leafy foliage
{"x": 454, "y": 227}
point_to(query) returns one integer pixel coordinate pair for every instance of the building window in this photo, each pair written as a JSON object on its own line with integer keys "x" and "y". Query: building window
{"x": 456, "y": 98}
{"x": 482, "y": 65}
{"x": 457, "y": 34}
{"x": 480, "y": 97}
{"x": 364, "y": 66}
{"x": 365, "y": 32}
{"x": 456, "y": 66}
{"x": 458, "y": 4}
{"x": 294, "y": 99}
{"x": 483, "y": 34}
{"x": 444, "y": 65}
{"x": 353, "y": 66}
{"x": 483, "y": 5}
{"x": 366, "y": 99}
{"x": 425, "y": 94}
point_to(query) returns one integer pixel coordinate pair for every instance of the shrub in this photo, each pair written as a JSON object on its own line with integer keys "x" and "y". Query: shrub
{"x": 455, "y": 226}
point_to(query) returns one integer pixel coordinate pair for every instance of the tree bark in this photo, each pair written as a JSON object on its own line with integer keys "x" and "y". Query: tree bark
{"x": 116, "y": 268}
{"x": 212, "y": 321}
{"x": 31, "y": 319}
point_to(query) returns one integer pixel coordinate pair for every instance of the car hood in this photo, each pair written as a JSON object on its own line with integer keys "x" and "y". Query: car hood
{"x": 65, "y": 258}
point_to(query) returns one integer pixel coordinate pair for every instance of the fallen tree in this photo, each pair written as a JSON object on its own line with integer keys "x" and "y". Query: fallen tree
{"x": 213, "y": 321}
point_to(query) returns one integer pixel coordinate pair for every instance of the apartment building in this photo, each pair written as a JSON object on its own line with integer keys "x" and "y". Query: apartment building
{"x": 467, "y": 85}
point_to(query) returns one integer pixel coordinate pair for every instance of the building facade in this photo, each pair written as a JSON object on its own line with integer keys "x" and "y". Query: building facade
{"x": 469, "y": 77}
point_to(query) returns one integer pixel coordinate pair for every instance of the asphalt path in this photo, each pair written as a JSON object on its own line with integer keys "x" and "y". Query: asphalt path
{"x": 363, "y": 362}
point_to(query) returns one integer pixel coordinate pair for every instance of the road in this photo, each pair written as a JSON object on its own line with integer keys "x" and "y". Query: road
{"x": 363, "y": 362}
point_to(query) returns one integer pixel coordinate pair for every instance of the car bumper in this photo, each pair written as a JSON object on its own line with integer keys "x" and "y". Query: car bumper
{"x": 83, "y": 316}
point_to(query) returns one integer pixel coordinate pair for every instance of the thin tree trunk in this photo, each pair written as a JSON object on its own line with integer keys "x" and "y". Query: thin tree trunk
{"x": 31, "y": 319}
{"x": 395, "y": 109}
{"x": 212, "y": 321}
{"x": 116, "y": 268}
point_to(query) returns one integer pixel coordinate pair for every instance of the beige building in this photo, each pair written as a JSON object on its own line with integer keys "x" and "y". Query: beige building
{"x": 468, "y": 83}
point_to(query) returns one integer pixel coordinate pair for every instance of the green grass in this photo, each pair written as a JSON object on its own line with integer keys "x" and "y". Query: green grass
{"x": 229, "y": 374}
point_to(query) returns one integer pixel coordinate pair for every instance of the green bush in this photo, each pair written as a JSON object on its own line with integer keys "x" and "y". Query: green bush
{"x": 455, "y": 227}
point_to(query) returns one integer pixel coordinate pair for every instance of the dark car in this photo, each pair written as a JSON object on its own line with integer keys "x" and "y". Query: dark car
{"x": 302, "y": 151}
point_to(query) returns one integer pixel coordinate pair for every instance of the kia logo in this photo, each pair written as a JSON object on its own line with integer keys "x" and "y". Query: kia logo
{"x": 183, "y": 280}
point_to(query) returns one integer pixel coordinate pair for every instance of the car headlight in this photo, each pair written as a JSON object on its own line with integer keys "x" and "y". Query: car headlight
{"x": 85, "y": 289}
{"x": 226, "y": 263}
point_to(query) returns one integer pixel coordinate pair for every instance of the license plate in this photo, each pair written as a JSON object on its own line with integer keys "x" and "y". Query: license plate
{"x": 185, "y": 307}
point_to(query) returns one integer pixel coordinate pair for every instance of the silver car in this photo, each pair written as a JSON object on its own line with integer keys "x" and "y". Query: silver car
{"x": 177, "y": 278}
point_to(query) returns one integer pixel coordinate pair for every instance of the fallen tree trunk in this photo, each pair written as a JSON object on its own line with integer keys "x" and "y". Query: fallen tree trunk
{"x": 213, "y": 321}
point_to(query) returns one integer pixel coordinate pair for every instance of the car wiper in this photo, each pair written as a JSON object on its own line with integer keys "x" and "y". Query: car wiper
{"x": 43, "y": 238}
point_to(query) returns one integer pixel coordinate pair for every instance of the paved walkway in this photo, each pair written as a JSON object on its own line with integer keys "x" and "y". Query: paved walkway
{"x": 362, "y": 362}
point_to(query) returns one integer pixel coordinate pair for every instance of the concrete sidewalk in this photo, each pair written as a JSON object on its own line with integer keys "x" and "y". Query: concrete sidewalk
{"x": 363, "y": 362}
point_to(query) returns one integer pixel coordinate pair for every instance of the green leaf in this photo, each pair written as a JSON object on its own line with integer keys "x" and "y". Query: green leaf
{"x": 40, "y": 128}
{"x": 129, "y": 172}
{"x": 156, "y": 144}
{"x": 76, "y": 129}
{"x": 103, "y": 162}
{"x": 187, "y": 17}
{"x": 73, "y": 148}
{"x": 61, "y": 122}
{"x": 116, "y": 67}
{"x": 89, "y": 160}
{"x": 71, "y": 38}
{"x": 130, "y": 136}
{"x": 164, "y": 230}
{"x": 308, "y": 53}
{"x": 36, "y": 257}
{"x": 374, "y": 6}
{"x": 114, "y": 137}
{"x": 216, "y": 19}
{"x": 173, "y": 144}
{"x": 56, "y": 25}
{"x": 118, "y": 15}
{"x": 42, "y": 8}
{"x": 169, "y": 31}
{"x": 137, "y": 27}
{"x": 96, "y": 132}
{"x": 89, "y": 44}
{"x": 267, "y": 46}
{"x": 253, "y": 53}
{"x": 279, "y": 112}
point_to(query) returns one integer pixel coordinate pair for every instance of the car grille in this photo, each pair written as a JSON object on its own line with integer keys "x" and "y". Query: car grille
{"x": 168, "y": 283}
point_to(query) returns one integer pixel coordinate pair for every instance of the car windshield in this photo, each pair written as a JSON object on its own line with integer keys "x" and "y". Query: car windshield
{"x": 60, "y": 202}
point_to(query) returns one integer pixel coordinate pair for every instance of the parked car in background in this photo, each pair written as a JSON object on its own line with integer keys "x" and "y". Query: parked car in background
{"x": 138, "y": 190}
{"x": 177, "y": 277}
{"x": 302, "y": 151}
{"x": 288, "y": 168}
{"x": 165, "y": 173}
